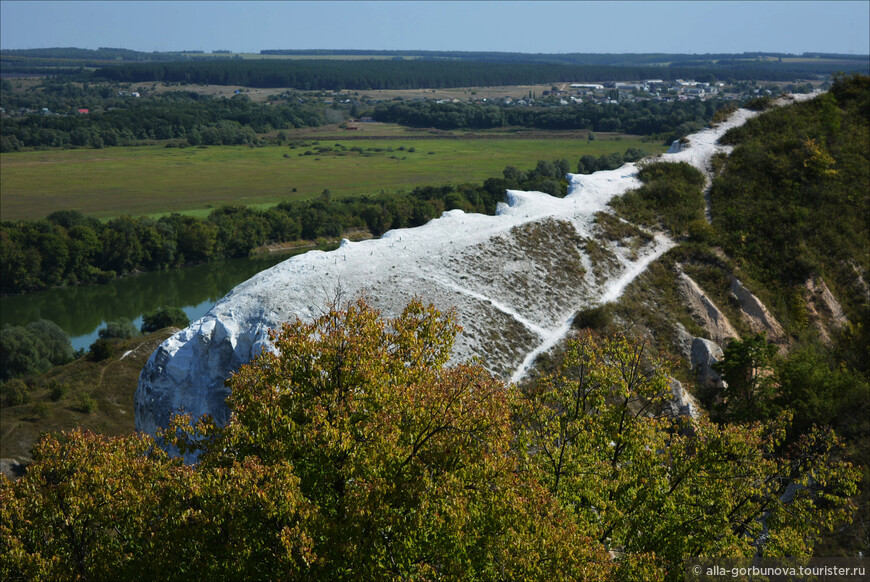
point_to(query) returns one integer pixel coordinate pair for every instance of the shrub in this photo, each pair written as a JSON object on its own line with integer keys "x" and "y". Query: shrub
{"x": 14, "y": 392}
{"x": 759, "y": 104}
{"x": 121, "y": 328}
{"x": 165, "y": 317}
{"x": 100, "y": 350}
{"x": 599, "y": 318}
{"x": 57, "y": 389}
{"x": 87, "y": 403}
{"x": 33, "y": 348}
{"x": 41, "y": 409}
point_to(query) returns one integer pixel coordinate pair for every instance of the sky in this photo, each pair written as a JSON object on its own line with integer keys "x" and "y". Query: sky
{"x": 695, "y": 27}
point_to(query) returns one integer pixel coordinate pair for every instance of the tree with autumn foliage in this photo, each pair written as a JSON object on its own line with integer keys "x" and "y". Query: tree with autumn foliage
{"x": 100, "y": 508}
{"x": 659, "y": 489}
{"x": 354, "y": 452}
{"x": 406, "y": 462}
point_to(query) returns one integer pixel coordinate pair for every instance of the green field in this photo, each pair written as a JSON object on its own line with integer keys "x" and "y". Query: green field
{"x": 153, "y": 180}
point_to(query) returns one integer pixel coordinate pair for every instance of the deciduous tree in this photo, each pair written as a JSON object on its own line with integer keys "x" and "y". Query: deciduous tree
{"x": 659, "y": 489}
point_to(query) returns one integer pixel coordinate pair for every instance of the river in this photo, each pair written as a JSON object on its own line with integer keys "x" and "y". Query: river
{"x": 82, "y": 311}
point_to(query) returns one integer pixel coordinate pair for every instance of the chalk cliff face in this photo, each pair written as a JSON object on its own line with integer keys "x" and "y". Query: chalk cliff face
{"x": 515, "y": 280}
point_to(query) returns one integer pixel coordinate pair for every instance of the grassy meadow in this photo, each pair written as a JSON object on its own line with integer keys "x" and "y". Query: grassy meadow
{"x": 154, "y": 180}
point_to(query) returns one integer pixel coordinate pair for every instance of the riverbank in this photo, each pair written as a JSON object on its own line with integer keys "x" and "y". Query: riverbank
{"x": 81, "y": 310}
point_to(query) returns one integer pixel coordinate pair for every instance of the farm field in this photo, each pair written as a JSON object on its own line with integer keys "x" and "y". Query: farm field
{"x": 261, "y": 95}
{"x": 155, "y": 180}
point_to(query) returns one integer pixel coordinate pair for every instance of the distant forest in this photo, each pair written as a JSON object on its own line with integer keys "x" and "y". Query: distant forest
{"x": 367, "y": 75}
{"x": 670, "y": 120}
{"x": 809, "y": 61}
{"x": 183, "y": 115}
{"x": 413, "y": 69}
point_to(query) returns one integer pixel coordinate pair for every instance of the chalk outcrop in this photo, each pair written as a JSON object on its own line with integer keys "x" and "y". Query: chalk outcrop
{"x": 705, "y": 312}
{"x": 682, "y": 403}
{"x": 515, "y": 280}
{"x": 823, "y": 309}
{"x": 704, "y": 354}
{"x": 756, "y": 314}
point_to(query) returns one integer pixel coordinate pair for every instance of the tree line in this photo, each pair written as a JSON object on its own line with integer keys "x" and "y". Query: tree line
{"x": 196, "y": 119}
{"x": 368, "y": 75}
{"x": 638, "y": 118}
{"x": 809, "y": 62}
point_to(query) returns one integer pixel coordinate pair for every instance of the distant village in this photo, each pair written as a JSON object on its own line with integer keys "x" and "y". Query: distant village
{"x": 647, "y": 90}
{"x": 563, "y": 95}
{"x": 610, "y": 93}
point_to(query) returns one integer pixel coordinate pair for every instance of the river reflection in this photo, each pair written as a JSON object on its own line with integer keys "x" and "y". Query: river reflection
{"x": 82, "y": 311}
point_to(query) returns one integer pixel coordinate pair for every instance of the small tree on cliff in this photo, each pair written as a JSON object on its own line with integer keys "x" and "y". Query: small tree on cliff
{"x": 747, "y": 368}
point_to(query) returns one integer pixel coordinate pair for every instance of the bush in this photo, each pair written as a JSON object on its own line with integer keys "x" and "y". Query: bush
{"x": 121, "y": 328}
{"x": 166, "y": 317}
{"x": 598, "y": 318}
{"x": 14, "y": 393}
{"x": 57, "y": 389}
{"x": 41, "y": 409}
{"x": 32, "y": 349}
{"x": 701, "y": 231}
{"x": 87, "y": 403}
{"x": 759, "y": 104}
{"x": 724, "y": 112}
{"x": 101, "y": 349}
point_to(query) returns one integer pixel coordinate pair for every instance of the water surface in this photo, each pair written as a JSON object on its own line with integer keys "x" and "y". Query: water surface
{"x": 82, "y": 311}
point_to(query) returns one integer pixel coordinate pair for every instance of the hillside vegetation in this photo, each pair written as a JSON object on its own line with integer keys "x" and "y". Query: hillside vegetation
{"x": 794, "y": 198}
{"x": 790, "y": 222}
{"x": 90, "y": 393}
{"x": 357, "y": 454}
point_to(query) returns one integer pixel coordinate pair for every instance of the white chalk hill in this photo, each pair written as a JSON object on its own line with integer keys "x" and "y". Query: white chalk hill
{"x": 516, "y": 280}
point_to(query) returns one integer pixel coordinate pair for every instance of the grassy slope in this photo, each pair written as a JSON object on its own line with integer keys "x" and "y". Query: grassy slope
{"x": 153, "y": 179}
{"x": 777, "y": 219}
{"x": 110, "y": 384}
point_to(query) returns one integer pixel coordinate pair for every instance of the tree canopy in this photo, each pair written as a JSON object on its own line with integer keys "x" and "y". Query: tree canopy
{"x": 355, "y": 452}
